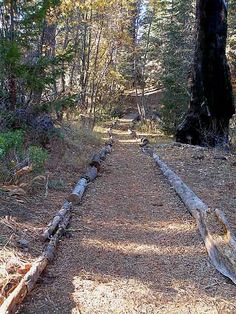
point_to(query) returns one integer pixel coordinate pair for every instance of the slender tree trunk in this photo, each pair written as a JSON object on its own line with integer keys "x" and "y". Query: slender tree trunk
{"x": 143, "y": 106}
{"x": 95, "y": 70}
{"x": 211, "y": 105}
{"x": 12, "y": 79}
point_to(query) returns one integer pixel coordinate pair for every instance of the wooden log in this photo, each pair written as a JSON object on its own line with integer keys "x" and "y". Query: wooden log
{"x": 213, "y": 226}
{"x": 54, "y": 231}
{"x": 53, "y": 224}
{"x": 144, "y": 142}
{"x": 96, "y": 162}
{"x": 12, "y": 302}
{"x": 219, "y": 241}
{"x": 78, "y": 192}
{"x": 109, "y": 142}
{"x": 50, "y": 250}
{"x": 190, "y": 199}
{"x": 90, "y": 174}
{"x": 109, "y": 132}
{"x": 103, "y": 153}
{"x": 108, "y": 149}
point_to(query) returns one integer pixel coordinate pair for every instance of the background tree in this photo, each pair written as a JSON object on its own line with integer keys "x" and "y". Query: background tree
{"x": 211, "y": 105}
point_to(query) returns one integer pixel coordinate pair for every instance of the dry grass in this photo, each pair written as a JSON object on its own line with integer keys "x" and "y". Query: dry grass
{"x": 23, "y": 216}
{"x": 81, "y": 144}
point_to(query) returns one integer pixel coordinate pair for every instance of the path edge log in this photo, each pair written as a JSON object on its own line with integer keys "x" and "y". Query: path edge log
{"x": 27, "y": 283}
{"x": 220, "y": 245}
{"x": 91, "y": 174}
{"x": 53, "y": 224}
{"x": 76, "y": 196}
{"x": 54, "y": 231}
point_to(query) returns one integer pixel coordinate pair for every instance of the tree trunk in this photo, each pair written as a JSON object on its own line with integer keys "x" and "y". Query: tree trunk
{"x": 211, "y": 107}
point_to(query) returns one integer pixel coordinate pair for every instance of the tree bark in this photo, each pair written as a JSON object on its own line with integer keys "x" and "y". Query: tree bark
{"x": 211, "y": 107}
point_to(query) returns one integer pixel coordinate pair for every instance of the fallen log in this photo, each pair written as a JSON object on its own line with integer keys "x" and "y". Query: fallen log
{"x": 78, "y": 192}
{"x": 108, "y": 148}
{"x": 90, "y": 174}
{"x": 53, "y": 224}
{"x": 190, "y": 199}
{"x": 50, "y": 250}
{"x": 103, "y": 153}
{"x": 109, "y": 132}
{"x": 144, "y": 142}
{"x": 54, "y": 231}
{"x": 96, "y": 162}
{"x": 213, "y": 226}
{"x": 109, "y": 142}
{"x": 12, "y": 302}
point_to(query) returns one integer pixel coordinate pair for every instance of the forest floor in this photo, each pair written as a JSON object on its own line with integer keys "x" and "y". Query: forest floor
{"x": 134, "y": 248}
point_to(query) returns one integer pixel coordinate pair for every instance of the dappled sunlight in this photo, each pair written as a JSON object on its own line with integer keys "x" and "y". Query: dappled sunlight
{"x": 157, "y": 134}
{"x": 120, "y": 132}
{"x": 109, "y": 294}
{"x": 129, "y": 141}
{"x": 100, "y": 129}
{"x": 125, "y": 120}
{"x": 128, "y": 247}
{"x": 163, "y": 226}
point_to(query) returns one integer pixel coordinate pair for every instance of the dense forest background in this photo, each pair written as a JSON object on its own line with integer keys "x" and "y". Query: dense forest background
{"x": 62, "y": 58}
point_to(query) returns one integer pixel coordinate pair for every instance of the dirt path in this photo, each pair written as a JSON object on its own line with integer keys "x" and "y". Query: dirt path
{"x": 134, "y": 249}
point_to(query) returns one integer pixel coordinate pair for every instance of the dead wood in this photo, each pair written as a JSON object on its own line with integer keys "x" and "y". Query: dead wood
{"x": 51, "y": 248}
{"x": 144, "y": 142}
{"x": 108, "y": 149}
{"x": 53, "y": 224}
{"x": 78, "y": 192}
{"x": 103, "y": 153}
{"x": 109, "y": 142}
{"x": 90, "y": 174}
{"x": 109, "y": 132}
{"x": 54, "y": 231}
{"x": 214, "y": 228}
{"x": 11, "y": 304}
{"x": 190, "y": 199}
{"x": 96, "y": 161}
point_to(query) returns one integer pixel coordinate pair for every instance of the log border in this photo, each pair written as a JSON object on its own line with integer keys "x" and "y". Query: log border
{"x": 54, "y": 231}
{"x": 220, "y": 246}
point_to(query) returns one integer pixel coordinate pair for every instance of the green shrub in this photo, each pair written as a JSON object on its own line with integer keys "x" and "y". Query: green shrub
{"x": 11, "y": 140}
{"x": 38, "y": 156}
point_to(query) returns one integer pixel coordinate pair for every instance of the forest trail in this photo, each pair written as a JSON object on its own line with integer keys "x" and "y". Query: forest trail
{"x": 134, "y": 249}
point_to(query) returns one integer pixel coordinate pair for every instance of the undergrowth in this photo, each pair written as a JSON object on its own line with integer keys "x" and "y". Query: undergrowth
{"x": 80, "y": 144}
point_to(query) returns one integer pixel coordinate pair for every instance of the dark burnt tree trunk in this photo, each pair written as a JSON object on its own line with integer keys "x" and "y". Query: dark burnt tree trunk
{"x": 211, "y": 105}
